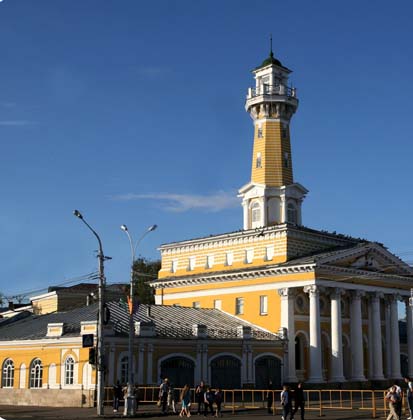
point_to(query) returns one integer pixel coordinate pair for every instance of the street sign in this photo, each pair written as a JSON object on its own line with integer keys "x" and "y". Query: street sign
{"x": 87, "y": 340}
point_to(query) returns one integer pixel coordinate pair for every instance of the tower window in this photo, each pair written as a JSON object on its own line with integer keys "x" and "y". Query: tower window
{"x": 229, "y": 258}
{"x": 292, "y": 213}
{"x": 191, "y": 263}
{"x": 263, "y": 305}
{"x": 259, "y": 133}
{"x": 249, "y": 255}
{"x": 258, "y": 163}
{"x": 286, "y": 160}
{"x": 255, "y": 213}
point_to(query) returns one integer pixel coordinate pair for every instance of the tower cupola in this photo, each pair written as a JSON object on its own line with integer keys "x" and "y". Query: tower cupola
{"x": 271, "y": 197}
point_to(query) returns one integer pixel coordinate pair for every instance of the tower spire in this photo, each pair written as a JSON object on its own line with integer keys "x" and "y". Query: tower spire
{"x": 271, "y": 52}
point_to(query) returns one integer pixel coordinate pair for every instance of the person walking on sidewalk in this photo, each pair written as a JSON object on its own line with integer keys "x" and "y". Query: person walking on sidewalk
{"x": 392, "y": 398}
{"x": 299, "y": 401}
{"x": 409, "y": 395}
{"x": 285, "y": 402}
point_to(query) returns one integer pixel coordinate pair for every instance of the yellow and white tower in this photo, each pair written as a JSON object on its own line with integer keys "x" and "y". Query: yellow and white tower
{"x": 271, "y": 197}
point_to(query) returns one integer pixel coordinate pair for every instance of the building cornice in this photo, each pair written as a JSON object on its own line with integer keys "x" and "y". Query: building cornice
{"x": 237, "y": 275}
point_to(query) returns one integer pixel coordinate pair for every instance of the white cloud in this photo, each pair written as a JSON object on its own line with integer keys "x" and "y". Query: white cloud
{"x": 184, "y": 202}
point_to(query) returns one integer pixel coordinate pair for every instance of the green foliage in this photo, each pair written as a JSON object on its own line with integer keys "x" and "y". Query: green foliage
{"x": 143, "y": 271}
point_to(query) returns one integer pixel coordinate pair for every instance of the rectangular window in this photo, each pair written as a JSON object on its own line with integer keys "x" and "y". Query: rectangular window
{"x": 263, "y": 305}
{"x": 209, "y": 261}
{"x": 196, "y": 305}
{"x": 217, "y": 303}
{"x": 191, "y": 263}
{"x": 229, "y": 258}
{"x": 239, "y": 306}
{"x": 259, "y": 133}
{"x": 269, "y": 252}
{"x": 174, "y": 266}
{"x": 249, "y": 255}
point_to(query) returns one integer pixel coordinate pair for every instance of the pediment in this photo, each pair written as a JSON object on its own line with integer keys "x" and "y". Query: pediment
{"x": 370, "y": 256}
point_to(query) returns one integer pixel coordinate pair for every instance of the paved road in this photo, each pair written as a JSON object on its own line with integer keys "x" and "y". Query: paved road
{"x": 47, "y": 413}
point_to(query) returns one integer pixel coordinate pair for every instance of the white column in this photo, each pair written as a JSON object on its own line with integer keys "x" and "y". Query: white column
{"x": 387, "y": 325}
{"x": 376, "y": 346}
{"x": 356, "y": 332}
{"x": 394, "y": 338}
{"x": 149, "y": 364}
{"x": 246, "y": 214}
{"x": 336, "y": 337}
{"x": 409, "y": 328}
{"x": 141, "y": 354}
{"x": 288, "y": 322}
{"x": 315, "y": 375}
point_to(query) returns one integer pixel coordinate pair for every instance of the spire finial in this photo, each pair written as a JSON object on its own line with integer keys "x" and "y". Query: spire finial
{"x": 271, "y": 53}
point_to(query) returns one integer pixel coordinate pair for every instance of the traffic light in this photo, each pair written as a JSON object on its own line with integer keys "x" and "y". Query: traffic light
{"x": 92, "y": 355}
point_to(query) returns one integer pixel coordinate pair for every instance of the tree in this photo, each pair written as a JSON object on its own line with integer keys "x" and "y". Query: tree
{"x": 145, "y": 270}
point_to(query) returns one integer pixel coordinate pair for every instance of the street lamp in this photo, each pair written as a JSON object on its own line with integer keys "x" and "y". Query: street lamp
{"x": 100, "y": 350}
{"x": 130, "y": 403}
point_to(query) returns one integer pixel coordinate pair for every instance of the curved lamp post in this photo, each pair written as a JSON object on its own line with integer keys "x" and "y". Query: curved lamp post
{"x": 100, "y": 354}
{"x": 130, "y": 403}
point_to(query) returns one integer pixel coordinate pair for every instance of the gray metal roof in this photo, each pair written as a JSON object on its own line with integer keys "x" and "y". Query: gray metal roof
{"x": 168, "y": 321}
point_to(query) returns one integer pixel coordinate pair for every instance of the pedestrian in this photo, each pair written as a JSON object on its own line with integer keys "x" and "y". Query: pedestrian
{"x": 208, "y": 401}
{"x": 270, "y": 396}
{"x": 409, "y": 395}
{"x": 199, "y": 397}
{"x": 399, "y": 403}
{"x": 171, "y": 398}
{"x": 117, "y": 396}
{"x": 185, "y": 399}
{"x": 163, "y": 394}
{"x": 299, "y": 401}
{"x": 218, "y": 402}
{"x": 285, "y": 402}
{"x": 392, "y": 398}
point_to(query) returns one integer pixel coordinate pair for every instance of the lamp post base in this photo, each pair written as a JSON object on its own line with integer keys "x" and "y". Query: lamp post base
{"x": 130, "y": 406}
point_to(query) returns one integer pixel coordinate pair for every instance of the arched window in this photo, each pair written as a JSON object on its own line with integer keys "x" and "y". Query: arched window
{"x": 292, "y": 213}
{"x": 124, "y": 369}
{"x": 226, "y": 372}
{"x": 179, "y": 369}
{"x": 256, "y": 214}
{"x": 8, "y": 374}
{"x": 69, "y": 371}
{"x": 36, "y": 374}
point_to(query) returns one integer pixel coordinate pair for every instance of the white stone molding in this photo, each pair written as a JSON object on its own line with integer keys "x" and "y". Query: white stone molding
{"x": 315, "y": 374}
{"x": 288, "y": 322}
{"x": 356, "y": 334}
{"x": 336, "y": 336}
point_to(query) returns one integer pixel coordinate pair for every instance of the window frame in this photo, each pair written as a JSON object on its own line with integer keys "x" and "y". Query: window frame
{"x": 36, "y": 374}
{"x": 239, "y": 305}
{"x": 7, "y": 380}
{"x": 69, "y": 370}
{"x": 264, "y": 305}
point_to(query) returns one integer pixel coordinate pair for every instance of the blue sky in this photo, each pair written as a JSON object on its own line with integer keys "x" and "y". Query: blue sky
{"x": 133, "y": 112}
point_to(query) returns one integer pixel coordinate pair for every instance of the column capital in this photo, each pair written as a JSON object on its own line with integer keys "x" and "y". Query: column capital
{"x": 357, "y": 294}
{"x": 392, "y": 298}
{"x": 336, "y": 292}
{"x": 287, "y": 292}
{"x": 375, "y": 295}
{"x": 312, "y": 289}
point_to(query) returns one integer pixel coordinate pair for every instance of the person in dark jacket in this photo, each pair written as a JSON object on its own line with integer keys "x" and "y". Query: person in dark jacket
{"x": 270, "y": 396}
{"x": 299, "y": 399}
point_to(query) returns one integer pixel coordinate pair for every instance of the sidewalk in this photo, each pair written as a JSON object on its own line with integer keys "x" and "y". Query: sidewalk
{"x": 149, "y": 411}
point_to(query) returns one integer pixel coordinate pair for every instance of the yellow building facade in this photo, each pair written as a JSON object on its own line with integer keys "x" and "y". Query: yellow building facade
{"x": 327, "y": 292}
